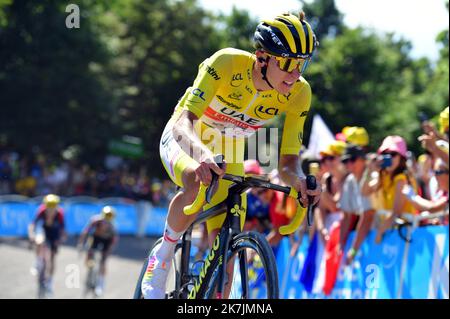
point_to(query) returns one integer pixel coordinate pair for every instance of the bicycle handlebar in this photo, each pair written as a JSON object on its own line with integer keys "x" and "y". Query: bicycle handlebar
{"x": 205, "y": 193}
{"x": 198, "y": 202}
{"x": 298, "y": 217}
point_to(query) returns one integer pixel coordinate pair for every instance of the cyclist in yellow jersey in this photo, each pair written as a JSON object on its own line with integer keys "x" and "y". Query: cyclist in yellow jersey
{"x": 235, "y": 93}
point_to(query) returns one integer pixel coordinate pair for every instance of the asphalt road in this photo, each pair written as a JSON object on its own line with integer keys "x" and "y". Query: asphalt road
{"x": 123, "y": 266}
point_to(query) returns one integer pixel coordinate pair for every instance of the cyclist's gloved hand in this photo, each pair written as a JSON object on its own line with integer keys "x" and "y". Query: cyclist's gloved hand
{"x": 203, "y": 171}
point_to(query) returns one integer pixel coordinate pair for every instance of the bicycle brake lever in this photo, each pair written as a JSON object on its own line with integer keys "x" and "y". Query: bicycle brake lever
{"x": 310, "y": 184}
{"x": 218, "y": 159}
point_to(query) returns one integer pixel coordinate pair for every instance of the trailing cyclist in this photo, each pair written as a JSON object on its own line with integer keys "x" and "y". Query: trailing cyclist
{"x": 47, "y": 232}
{"x": 235, "y": 93}
{"x": 102, "y": 236}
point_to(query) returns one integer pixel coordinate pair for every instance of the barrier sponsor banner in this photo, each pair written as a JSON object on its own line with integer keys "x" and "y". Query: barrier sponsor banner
{"x": 426, "y": 274}
{"x": 290, "y": 285}
{"x": 126, "y": 220}
{"x": 77, "y": 215}
{"x": 375, "y": 271}
{"x": 377, "y": 268}
{"x": 15, "y": 218}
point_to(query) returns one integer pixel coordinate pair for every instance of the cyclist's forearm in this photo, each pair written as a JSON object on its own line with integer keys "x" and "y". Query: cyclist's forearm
{"x": 290, "y": 170}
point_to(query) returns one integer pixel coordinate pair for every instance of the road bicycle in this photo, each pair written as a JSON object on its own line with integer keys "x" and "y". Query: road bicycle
{"x": 239, "y": 265}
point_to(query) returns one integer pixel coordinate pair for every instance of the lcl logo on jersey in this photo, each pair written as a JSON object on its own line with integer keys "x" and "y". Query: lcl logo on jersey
{"x": 265, "y": 112}
{"x": 198, "y": 93}
{"x": 236, "y": 80}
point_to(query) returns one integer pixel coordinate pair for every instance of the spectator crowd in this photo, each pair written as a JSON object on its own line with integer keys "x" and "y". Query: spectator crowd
{"x": 38, "y": 176}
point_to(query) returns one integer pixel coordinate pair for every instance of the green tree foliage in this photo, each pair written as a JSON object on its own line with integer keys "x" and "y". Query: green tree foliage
{"x": 238, "y": 29}
{"x": 49, "y": 93}
{"x": 362, "y": 80}
{"x": 325, "y": 18}
{"x": 157, "y": 52}
{"x": 123, "y": 71}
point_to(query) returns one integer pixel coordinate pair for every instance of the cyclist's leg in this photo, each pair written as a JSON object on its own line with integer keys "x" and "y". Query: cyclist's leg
{"x": 92, "y": 243}
{"x": 106, "y": 250}
{"x": 106, "y": 244}
{"x": 52, "y": 250}
{"x": 180, "y": 168}
{"x": 39, "y": 256}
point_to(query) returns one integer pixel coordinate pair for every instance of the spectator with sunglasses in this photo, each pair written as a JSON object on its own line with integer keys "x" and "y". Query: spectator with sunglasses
{"x": 333, "y": 175}
{"x": 391, "y": 178}
{"x": 358, "y": 213}
{"x": 440, "y": 203}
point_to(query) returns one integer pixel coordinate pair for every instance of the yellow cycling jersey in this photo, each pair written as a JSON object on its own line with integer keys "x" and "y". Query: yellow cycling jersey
{"x": 224, "y": 97}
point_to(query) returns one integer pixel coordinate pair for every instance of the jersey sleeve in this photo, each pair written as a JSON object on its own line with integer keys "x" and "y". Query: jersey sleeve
{"x": 296, "y": 113}
{"x": 212, "y": 72}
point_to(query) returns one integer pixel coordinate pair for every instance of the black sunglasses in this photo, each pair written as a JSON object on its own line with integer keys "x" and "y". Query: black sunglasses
{"x": 440, "y": 172}
{"x": 350, "y": 160}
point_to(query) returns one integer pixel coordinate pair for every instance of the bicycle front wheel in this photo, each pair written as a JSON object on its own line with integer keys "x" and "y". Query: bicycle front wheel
{"x": 251, "y": 270}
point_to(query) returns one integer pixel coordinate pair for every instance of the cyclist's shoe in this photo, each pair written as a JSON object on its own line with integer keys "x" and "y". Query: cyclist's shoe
{"x": 98, "y": 291}
{"x": 153, "y": 284}
{"x": 99, "y": 287}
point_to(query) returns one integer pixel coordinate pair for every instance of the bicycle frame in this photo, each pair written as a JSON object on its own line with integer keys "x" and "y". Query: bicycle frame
{"x": 231, "y": 227}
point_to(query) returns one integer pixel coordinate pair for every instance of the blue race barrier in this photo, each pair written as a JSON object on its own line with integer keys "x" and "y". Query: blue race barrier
{"x": 375, "y": 272}
{"x": 77, "y": 215}
{"x": 426, "y": 274}
{"x": 15, "y": 218}
{"x": 126, "y": 220}
{"x": 155, "y": 221}
{"x": 377, "y": 268}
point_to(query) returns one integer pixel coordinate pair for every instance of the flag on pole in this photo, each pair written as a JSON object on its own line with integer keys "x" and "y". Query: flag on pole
{"x": 320, "y": 138}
